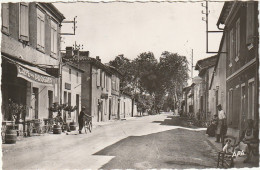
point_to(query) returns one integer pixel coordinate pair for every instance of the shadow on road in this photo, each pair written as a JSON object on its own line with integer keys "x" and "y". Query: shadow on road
{"x": 177, "y": 148}
{"x": 176, "y": 121}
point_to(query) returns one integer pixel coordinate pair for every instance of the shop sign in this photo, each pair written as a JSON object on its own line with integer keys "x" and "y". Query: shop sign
{"x": 67, "y": 86}
{"x": 32, "y": 76}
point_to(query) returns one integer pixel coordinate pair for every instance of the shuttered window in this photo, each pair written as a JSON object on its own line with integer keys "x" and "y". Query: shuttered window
{"x": 237, "y": 38}
{"x": 231, "y": 46}
{"x": 98, "y": 77}
{"x": 250, "y": 17}
{"x": 251, "y": 100}
{"x": 40, "y": 30}
{"x": 24, "y": 22}
{"x": 5, "y": 17}
{"x": 54, "y": 37}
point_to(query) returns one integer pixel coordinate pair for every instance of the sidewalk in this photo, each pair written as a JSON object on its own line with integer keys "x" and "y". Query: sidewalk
{"x": 238, "y": 162}
{"x": 22, "y": 142}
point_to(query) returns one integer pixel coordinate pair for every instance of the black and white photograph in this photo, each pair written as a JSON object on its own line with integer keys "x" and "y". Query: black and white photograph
{"x": 129, "y": 84}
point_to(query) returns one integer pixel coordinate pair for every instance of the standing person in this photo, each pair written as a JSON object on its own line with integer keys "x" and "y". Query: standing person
{"x": 221, "y": 128}
{"x": 81, "y": 118}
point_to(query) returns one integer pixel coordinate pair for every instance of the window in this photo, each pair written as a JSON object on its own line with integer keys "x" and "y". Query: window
{"x": 251, "y": 95}
{"x": 107, "y": 83}
{"x": 231, "y": 46}
{"x": 230, "y": 105}
{"x": 5, "y": 17}
{"x": 77, "y": 77}
{"x": 54, "y": 36}
{"x": 98, "y": 77}
{"x": 102, "y": 79}
{"x": 24, "y": 22}
{"x": 250, "y": 25}
{"x": 40, "y": 30}
{"x": 70, "y": 74}
{"x": 237, "y": 39}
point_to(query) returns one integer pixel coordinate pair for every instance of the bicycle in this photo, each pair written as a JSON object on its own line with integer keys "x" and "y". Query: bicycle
{"x": 88, "y": 124}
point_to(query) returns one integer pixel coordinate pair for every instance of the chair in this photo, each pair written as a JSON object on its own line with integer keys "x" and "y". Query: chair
{"x": 226, "y": 160}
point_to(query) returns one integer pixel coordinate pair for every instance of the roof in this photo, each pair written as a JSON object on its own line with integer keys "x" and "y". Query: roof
{"x": 206, "y": 63}
{"x": 90, "y": 60}
{"x": 54, "y": 11}
{"x": 71, "y": 64}
{"x": 113, "y": 69}
{"x": 224, "y": 12}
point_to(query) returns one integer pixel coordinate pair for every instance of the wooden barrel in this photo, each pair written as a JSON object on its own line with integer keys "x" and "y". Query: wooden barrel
{"x": 10, "y": 136}
{"x": 56, "y": 129}
{"x": 73, "y": 126}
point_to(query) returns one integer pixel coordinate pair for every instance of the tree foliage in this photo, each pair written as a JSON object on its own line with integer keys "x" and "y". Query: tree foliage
{"x": 146, "y": 76}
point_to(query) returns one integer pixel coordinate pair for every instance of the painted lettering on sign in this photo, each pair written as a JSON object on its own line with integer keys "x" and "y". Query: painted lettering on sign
{"x": 33, "y": 76}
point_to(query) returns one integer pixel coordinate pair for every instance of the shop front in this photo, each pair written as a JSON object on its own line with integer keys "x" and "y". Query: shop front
{"x": 27, "y": 91}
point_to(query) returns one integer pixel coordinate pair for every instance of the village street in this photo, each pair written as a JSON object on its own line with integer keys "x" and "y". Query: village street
{"x": 159, "y": 141}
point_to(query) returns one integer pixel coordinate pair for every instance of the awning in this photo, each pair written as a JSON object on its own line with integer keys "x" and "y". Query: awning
{"x": 34, "y": 74}
{"x": 31, "y": 73}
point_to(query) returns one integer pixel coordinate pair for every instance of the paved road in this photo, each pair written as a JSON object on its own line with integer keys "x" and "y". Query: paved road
{"x": 160, "y": 141}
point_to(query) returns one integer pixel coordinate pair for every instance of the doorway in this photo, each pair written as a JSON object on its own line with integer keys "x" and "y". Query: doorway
{"x": 77, "y": 104}
{"x": 50, "y": 101}
{"x": 34, "y": 103}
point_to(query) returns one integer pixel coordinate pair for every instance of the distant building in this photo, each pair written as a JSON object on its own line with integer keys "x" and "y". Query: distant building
{"x": 96, "y": 84}
{"x": 217, "y": 87}
{"x": 115, "y": 93}
{"x": 242, "y": 63}
{"x": 128, "y": 107}
{"x": 205, "y": 68}
{"x": 30, "y": 57}
{"x": 71, "y": 89}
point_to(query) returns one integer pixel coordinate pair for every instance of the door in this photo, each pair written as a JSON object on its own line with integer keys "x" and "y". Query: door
{"x": 64, "y": 101}
{"x": 77, "y": 104}
{"x": 50, "y": 101}
{"x": 216, "y": 97}
{"x": 243, "y": 106}
{"x": 34, "y": 103}
{"x": 118, "y": 109}
{"x": 110, "y": 104}
{"x": 69, "y": 103}
{"x": 124, "y": 110}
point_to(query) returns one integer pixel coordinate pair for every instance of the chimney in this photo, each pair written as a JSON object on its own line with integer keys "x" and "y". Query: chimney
{"x": 69, "y": 52}
{"x": 97, "y": 58}
{"x": 76, "y": 52}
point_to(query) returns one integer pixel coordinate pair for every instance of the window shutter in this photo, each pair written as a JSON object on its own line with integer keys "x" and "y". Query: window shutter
{"x": 98, "y": 77}
{"x": 5, "y": 17}
{"x": 250, "y": 22}
{"x": 231, "y": 45}
{"x": 54, "y": 28}
{"x": 237, "y": 37}
{"x": 40, "y": 29}
{"x": 24, "y": 24}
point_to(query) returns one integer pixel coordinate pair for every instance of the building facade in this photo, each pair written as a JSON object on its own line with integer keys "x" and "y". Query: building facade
{"x": 29, "y": 49}
{"x": 115, "y": 93}
{"x": 96, "y": 84}
{"x": 71, "y": 90}
{"x": 217, "y": 87}
{"x": 205, "y": 68}
{"x": 242, "y": 43}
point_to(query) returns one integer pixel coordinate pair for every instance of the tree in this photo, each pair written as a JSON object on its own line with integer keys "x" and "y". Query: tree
{"x": 146, "y": 76}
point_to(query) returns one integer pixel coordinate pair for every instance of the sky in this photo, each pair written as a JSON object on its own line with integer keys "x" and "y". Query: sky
{"x": 110, "y": 29}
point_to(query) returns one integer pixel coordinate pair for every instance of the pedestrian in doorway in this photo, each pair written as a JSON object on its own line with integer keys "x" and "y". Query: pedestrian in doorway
{"x": 222, "y": 126}
{"x": 81, "y": 118}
